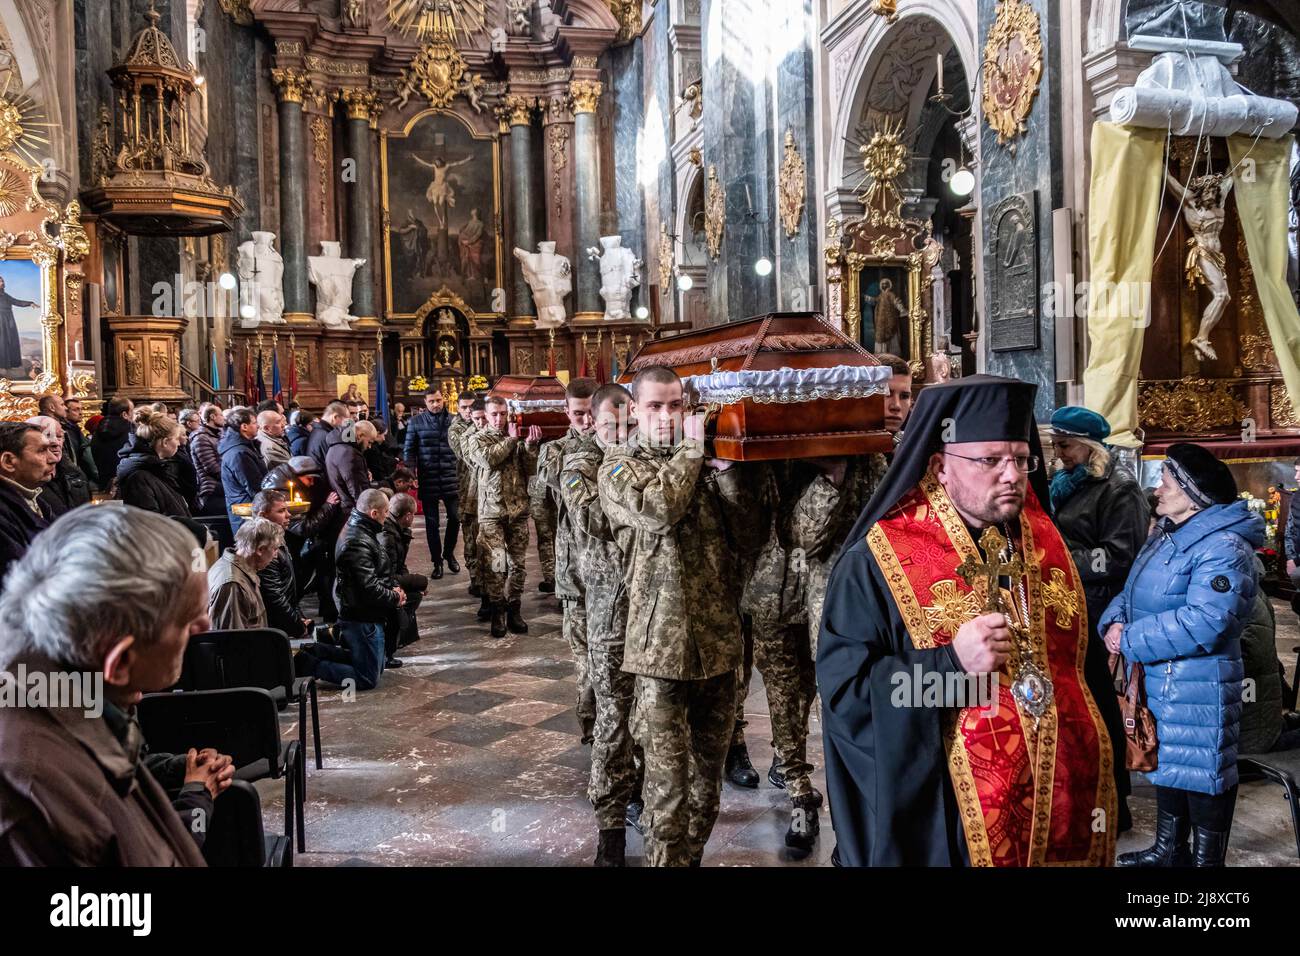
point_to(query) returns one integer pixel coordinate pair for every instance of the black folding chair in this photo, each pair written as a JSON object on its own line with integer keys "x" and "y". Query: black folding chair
{"x": 254, "y": 657}
{"x": 1283, "y": 768}
{"x": 239, "y": 721}
{"x": 237, "y": 837}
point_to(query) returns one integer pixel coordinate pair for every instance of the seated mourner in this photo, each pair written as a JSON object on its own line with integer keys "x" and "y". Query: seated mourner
{"x": 109, "y": 596}
{"x": 234, "y": 589}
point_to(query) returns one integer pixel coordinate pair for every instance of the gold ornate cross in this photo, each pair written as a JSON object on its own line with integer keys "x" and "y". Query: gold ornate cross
{"x": 972, "y": 569}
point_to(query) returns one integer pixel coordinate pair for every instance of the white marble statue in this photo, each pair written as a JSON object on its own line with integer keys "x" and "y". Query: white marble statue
{"x": 332, "y": 276}
{"x": 620, "y": 273}
{"x": 1203, "y": 201}
{"x": 261, "y": 281}
{"x": 550, "y": 277}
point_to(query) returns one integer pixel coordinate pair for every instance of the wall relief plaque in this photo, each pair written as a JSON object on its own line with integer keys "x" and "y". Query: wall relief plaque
{"x": 1013, "y": 279}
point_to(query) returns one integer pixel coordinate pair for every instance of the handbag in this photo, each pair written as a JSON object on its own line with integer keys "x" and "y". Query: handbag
{"x": 1140, "y": 741}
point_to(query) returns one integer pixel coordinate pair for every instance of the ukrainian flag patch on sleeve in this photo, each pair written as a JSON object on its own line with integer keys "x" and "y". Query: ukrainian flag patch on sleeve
{"x": 573, "y": 481}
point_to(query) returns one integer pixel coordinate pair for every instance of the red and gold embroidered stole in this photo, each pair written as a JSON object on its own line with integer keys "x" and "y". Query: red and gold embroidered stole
{"x": 1028, "y": 795}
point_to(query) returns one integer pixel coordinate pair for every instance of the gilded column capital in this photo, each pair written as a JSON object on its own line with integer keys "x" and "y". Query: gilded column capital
{"x": 291, "y": 85}
{"x": 519, "y": 109}
{"x": 586, "y": 94}
{"x": 359, "y": 104}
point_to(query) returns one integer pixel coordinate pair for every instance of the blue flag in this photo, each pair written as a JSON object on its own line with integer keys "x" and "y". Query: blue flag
{"x": 381, "y": 388}
{"x": 275, "y": 376}
{"x": 261, "y": 382}
{"x": 216, "y": 372}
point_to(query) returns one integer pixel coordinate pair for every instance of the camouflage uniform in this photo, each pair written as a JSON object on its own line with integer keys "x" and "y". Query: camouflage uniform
{"x": 682, "y": 639}
{"x": 599, "y": 565}
{"x": 820, "y": 521}
{"x": 467, "y": 480}
{"x": 503, "y": 465}
{"x": 774, "y": 600}
{"x": 568, "y": 581}
{"x": 542, "y": 509}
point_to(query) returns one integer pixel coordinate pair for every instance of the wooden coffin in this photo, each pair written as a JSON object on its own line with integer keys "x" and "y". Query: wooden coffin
{"x": 534, "y": 400}
{"x": 750, "y": 430}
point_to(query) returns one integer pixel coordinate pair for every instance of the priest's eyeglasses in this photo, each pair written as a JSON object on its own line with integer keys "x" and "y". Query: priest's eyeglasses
{"x": 1024, "y": 463}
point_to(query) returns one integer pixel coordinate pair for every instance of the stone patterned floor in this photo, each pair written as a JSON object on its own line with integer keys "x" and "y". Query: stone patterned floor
{"x": 470, "y": 755}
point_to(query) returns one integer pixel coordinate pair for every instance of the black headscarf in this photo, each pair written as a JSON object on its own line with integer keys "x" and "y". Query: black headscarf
{"x": 977, "y": 408}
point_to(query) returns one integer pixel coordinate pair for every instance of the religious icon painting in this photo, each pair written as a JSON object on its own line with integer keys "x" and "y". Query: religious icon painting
{"x": 22, "y": 351}
{"x": 441, "y": 193}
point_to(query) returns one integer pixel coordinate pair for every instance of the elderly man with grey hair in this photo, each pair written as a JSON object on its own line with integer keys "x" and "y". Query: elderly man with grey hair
{"x": 103, "y": 605}
{"x": 234, "y": 593}
{"x": 69, "y": 487}
{"x": 367, "y": 598}
{"x": 270, "y": 435}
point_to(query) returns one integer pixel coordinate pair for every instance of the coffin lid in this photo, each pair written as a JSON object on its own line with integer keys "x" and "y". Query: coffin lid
{"x": 775, "y": 340}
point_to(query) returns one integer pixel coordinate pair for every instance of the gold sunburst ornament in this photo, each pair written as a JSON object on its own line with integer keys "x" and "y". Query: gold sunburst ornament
{"x": 427, "y": 18}
{"x": 1013, "y": 65}
{"x": 884, "y": 160}
{"x": 20, "y": 118}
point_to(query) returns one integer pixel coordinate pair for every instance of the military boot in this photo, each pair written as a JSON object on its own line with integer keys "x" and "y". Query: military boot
{"x": 610, "y": 848}
{"x": 1170, "y": 848}
{"x": 738, "y": 768}
{"x": 499, "y": 619}
{"x": 804, "y": 825}
{"x": 633, "y": 814}
{"x": 777, "y": 779}
{"x": 546, "y": 587}
{"x": 514, "y": 620}
{"x": 1209, "y": 847}
{"x": 485, "y": 608}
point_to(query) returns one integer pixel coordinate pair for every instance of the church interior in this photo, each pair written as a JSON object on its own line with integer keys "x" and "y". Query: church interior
{"x": 800, "y": 204}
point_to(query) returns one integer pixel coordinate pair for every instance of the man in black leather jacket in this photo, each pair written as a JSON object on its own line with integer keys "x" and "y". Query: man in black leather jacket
{"x": 366, "y": 596}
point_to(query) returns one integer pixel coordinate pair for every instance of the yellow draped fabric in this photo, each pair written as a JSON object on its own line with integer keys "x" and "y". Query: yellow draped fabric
{"x": 1261, "y": 183}
{"x": 1123, "y": 210}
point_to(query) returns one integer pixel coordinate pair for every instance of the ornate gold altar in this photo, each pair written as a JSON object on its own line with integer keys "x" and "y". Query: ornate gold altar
{"x": 890, "y": 245}
{"x": 41, "y": 305}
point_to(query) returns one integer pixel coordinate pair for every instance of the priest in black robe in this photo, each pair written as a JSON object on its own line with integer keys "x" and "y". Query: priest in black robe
{"x": 958, "y": 727}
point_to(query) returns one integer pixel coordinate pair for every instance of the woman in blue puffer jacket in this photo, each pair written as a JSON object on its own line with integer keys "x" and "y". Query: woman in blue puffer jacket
{"x": 1181, "y": 614}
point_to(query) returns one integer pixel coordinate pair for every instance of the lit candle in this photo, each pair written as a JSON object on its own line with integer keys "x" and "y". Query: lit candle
{"x": 938, "y": 59}
{"x": 291, "y": 497}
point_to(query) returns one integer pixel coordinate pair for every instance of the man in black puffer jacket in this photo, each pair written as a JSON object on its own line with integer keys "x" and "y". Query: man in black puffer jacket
{"x": 313, "y": 535}
{"x": 366, "y": 595}
{"x": 429, "y": 453}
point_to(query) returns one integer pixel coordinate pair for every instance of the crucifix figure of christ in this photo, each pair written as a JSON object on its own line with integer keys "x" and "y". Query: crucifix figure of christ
{"x": 1203, "y": 199}
{"x": 441, "y": 193}
{"x": 971, "y": 569}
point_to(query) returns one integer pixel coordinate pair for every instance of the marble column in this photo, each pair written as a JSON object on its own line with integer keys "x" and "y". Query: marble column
{"x": 521, "y": 198}
{"x": 292, "y": 86}
{"x": 586, "y": 172}
{"x": 360, "y": 106}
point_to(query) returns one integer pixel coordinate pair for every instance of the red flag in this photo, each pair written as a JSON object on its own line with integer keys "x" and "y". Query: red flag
{"x": 293, "y": 376}
{"x": 600, "y": 368}
{"x": 250, "y": 383}
{"x": 582, "y": 368}
{"x": 550, "y": 361}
